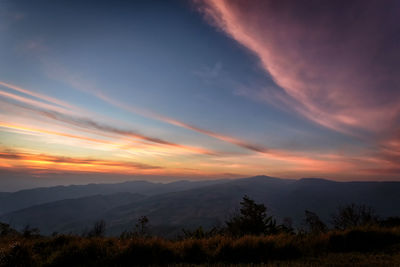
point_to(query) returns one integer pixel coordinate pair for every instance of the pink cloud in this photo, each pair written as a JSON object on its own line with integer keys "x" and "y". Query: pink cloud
{"x": 336, "y": 62}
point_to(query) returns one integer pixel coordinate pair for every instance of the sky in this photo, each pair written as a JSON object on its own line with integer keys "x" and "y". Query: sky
{"x": 104, "y": 91}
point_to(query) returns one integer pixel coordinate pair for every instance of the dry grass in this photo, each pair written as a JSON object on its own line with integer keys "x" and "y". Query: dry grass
{"x": 360, "y": 247}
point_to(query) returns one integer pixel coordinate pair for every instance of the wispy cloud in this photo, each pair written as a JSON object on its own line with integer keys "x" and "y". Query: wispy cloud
{"x": 91, "y": 124}
{"x": 38, "y": 95}
{"x": 77, "y": 83}
{"x": 60, "y": 114}
{"x": 335, "y": 68}
{"x": 295, "y": 161}
{"x": 50, "y": 132}
{"x": 32, "y": 102}
{"x": 171, "y": 121}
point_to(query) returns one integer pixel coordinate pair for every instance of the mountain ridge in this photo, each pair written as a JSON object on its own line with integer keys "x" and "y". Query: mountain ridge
{"x": 211, "y": 204}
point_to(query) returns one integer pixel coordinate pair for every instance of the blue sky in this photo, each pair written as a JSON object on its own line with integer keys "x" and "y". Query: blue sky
{"x": 197, "y": 84}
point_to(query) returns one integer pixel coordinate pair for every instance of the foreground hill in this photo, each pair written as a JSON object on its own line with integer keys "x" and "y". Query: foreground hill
{"x": 210, "y": 205}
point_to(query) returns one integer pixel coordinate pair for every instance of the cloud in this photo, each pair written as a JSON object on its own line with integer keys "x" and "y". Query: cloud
{"x": 67, "y": 116}
{"x": 91, "y": 124}
{"x": 336, "y": 62}
{"x": 32, "y": 102}
{"x": 171, "y": 121}
{"x": 46, "y": 161}
{"x": 44, "y": 131}
{"x": 38, "y": 95}
{"x": 300, "y": 162}
{"x": 89, "y": 88}
{"x": 59, "y": 72}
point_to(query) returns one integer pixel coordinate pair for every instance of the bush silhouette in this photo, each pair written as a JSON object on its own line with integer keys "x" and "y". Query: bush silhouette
{"x": 6, "y": 230}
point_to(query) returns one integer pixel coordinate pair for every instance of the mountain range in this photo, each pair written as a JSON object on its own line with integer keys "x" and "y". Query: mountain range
{"x": 187, "y": 204}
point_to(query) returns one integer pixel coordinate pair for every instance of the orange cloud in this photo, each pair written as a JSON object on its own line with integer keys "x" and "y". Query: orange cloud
{"x": 39, "y": 163}
{"x": 52, "y": 162}
{"x": 289, "y": 160}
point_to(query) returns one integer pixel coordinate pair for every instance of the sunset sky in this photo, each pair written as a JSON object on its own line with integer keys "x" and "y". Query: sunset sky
{"x": 169, "y": 90}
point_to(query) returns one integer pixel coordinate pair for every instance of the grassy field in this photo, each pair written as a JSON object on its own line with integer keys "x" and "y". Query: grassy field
{"x": 371, "y": 246}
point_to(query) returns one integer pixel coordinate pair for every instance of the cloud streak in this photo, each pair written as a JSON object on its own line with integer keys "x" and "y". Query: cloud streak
{"x": 68, "y": 108}
{"x": 171, "y": 121}
{"x": 293, "y": 161}
{"x": 44, "y": 131}
{"x": 38, "y": 95}
{"x": 32, "y": 102}
{"x": 62, "y": 74}
{"x": 65, "y": 116}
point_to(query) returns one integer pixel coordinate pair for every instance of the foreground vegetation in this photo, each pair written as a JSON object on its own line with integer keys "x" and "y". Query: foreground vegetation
{"x": 250, "y": 237}
{"x": 372, "y": 245}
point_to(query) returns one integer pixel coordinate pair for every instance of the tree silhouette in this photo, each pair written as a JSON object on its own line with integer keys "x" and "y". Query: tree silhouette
{"x": 141, "y": 229}
{"x": 252, "y": 220}
{"x": 353, "y": 215}
{"x": 142, "y": 226}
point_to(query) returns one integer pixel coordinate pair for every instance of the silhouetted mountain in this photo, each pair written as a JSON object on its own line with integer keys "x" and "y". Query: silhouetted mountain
{"x": 26, "y": 198}
{"x": 210, "y": 205}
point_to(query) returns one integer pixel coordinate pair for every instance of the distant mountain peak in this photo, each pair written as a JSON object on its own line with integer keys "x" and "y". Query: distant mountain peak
{"x": 315, "y": 180}
{"x": 264, "y": 178}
